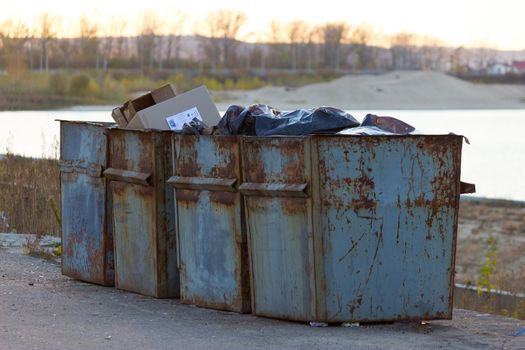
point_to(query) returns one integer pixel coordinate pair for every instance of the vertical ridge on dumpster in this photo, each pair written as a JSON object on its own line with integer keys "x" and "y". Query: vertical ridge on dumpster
{"x": 87, "y": 238}
{"x": 276, "y": 180}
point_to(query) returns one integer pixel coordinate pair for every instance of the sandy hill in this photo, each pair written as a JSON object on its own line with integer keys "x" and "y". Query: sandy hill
{"x": 394, "y": 90}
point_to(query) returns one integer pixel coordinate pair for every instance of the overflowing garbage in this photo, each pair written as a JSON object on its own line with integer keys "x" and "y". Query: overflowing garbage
{"x": 193, "y": 112}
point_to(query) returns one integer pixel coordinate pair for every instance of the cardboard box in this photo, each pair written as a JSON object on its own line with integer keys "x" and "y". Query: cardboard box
{"x": 163, "y": 93}
{"x": 140, "y": 103}
{"x": 154, "y": 117}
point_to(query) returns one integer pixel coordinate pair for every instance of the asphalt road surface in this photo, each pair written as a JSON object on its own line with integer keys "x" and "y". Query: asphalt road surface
{"x": 41, "y": 309}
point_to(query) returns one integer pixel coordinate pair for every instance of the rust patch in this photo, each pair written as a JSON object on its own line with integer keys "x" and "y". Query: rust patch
{"x": 225, "y": 198}
{"x": 293, "y": 206}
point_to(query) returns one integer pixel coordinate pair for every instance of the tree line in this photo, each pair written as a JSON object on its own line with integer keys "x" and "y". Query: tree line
{"x": 217, "y": 46}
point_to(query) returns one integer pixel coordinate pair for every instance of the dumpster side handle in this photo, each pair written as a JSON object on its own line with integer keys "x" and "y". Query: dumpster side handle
{"x": 133, "y": 177}
{"x": 274, "y": 189}
{"x": 202, "y": 183}
{"x": 465, "y": 187}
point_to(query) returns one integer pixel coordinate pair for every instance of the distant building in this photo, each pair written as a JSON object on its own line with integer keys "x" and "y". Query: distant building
{"x": 496, "y": 68}
{"x": 518, "y": 67}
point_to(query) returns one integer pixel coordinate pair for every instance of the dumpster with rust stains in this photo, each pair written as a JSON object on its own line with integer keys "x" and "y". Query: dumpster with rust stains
{"x": 352, "y": 228}
{"x": 87, "y": 240}
{"x": 143, "y": 212}
{"x": 212, "y": 240}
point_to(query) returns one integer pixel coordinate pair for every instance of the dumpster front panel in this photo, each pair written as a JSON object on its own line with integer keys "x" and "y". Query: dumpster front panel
{"x": 145, "y": 250}
{"x": 213, "y": 249}
{"x": 276, "y": 180}
{"x": 87, "y": 242}
{"x": 388, "y": 226}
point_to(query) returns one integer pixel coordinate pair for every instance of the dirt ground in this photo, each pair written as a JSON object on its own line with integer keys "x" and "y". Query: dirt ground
{"x": 505, "y": 221}
{"x": 41, "y": 309}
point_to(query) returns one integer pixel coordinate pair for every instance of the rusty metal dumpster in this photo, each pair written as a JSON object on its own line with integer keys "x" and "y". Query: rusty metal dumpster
{"x": 87, "y": 239}
{"x": 143, "y": 212}
{"x": 352, "y": 228}
{"x": 213, "y": 259}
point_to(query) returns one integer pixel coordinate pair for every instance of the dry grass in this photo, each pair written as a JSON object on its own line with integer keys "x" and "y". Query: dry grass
{"x": 503, "y": 221}
{"x": 29, "y": 195}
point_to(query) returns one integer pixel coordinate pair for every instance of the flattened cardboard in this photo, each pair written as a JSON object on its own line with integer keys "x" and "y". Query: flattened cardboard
{"x": 154, "y": 117}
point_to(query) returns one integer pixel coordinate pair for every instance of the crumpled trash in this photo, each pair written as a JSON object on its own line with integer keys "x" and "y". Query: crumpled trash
{"x": 263, "y": 120}
{"x": 389, "y": 124}
{"x": 194, "y": 127}
{"x": 375, "y": 125}
{"x": 365, "y": 130}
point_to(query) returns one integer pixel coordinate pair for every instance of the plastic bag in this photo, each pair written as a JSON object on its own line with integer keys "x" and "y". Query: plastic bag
{"x": 375, "y": 125}
{"x": 305, "y": 121}
{"x": 388, "y": 124}
{"x": 263, "y": 120}
{"x": 239, "y": 120}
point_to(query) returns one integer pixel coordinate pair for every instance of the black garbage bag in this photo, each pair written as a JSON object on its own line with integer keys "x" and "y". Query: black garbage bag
{"x": 305, "y": 121}
{"x": 240, "y": 120}
{"x": 389, "y": 124}
{"x": 263, "y": 120}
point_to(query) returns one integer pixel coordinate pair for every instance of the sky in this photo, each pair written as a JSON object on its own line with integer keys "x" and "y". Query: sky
{"x": 474, "y": 23}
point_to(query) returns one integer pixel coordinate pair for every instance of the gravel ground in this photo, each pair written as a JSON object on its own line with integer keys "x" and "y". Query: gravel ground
{"x": 41, "y": 309}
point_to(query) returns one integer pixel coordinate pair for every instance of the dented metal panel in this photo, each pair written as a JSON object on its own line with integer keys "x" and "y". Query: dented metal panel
{"x": 212, "y": 242}
{"x": 375, "y": 241}
{"x": 143, "y": 212}
{"x": 87, "y": 239}
{"x": 387, "y": 226}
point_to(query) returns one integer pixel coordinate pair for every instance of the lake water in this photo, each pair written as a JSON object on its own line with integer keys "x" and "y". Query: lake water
{"x": 494, "y": 160}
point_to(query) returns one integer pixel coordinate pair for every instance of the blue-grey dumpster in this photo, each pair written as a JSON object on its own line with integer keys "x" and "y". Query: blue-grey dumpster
{"x": 352, "y": 228}
{"x": 140, "y": 162}
{"x": 213, "y": 259}
{"x": 87, "y": 240}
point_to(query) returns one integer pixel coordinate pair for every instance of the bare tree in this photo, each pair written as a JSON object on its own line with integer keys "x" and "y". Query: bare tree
{"x": 47, "y": 33}
{"x": 333, "y": 35}
{"x": 402, "y": 49}
{"x": 457, "y": 61}
{"x": 89, "y": 41}
{"x": 431, "y": 52}
{"x": 113, "y": 32}
{"x": 224, "y": 27}
{"x": 147, "y": 38}
{"x": 360, "y": 39}
{"x": 13, "y": 35}
{"x": 278, "y": 50}
{"x": 297, "y": 36}
{"x": 177, "y": 25}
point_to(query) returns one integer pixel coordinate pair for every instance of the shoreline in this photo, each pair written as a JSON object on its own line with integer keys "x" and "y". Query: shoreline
{"x": 394, "y": 90}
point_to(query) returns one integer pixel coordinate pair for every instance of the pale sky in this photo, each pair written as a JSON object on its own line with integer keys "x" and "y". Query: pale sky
{"x": 498, "y": 24}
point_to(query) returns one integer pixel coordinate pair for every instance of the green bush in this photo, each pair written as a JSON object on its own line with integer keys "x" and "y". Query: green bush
{"x": 58, "y": 83}
{"x": 83, "y": 86}
{"x": 211, "y": 83}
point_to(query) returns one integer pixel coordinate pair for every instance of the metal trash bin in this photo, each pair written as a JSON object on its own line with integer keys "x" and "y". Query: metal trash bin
{"x": 352, "y": 228}
{"x": 143, "y": 212}
{"x": 213, "y": 259}
{"x": 87, "y": 239}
